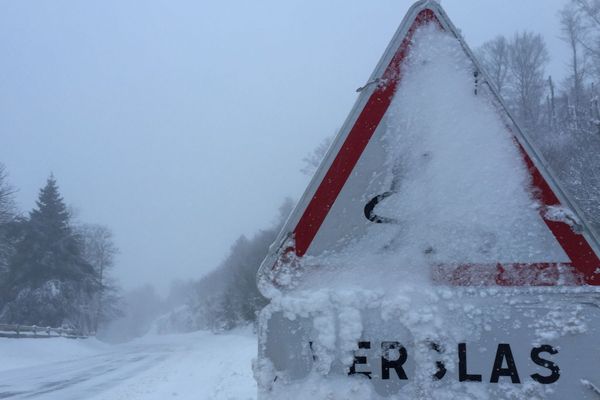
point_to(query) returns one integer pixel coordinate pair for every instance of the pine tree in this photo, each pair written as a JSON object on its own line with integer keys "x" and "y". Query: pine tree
{"x": 51, "y": 283}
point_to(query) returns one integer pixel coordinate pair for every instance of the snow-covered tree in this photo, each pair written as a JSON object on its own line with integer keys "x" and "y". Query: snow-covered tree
{"x": 49, "y": 282}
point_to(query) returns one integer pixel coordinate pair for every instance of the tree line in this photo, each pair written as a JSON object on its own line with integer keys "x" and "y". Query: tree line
{"x": 228, "y": 296}
{"x": 53, "y": 272}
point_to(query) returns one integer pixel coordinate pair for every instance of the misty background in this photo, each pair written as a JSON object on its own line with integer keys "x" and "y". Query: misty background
{"x": 150, "y": 152}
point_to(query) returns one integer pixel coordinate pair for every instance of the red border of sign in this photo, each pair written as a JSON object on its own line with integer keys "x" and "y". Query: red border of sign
{"x": 584, "y": 262}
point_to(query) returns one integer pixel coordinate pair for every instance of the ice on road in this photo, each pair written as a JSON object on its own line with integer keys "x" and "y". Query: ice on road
{"x": 197, "y": 366}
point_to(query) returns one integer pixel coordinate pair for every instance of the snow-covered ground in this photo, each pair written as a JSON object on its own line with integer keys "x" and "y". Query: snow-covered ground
{"x": 197, "y": 366}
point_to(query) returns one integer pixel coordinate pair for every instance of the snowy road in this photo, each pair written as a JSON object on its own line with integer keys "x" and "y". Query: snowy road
{"x": 194, "y": 366}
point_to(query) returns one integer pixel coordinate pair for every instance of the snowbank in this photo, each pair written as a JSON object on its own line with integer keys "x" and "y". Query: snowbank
{"x": 198, "y": 366}
{"x": 193, "y": 366}
{"x": 22, "y": 353}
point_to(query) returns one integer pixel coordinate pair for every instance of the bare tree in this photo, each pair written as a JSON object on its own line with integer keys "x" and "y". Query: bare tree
{"x": 595, "y": 100}
{"x": 7, "y": 201}
{"x": 7, "y": 216}
{"x": 573, "y": 34}
{"x": 100, "y": 251}
{"x": 528, "y": 59}
{"x": 551, "y": 106}
{"x": 588, "y": 13}
{"x": 494, "y": 57}
{"x": 591, "y": 8}
{"x": 313, "y": 160}
{"x": 516, "y": 69}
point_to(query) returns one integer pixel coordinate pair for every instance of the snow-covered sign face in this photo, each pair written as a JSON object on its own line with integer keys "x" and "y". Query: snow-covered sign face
{"x": 429, "y": 173}
{"x": 432, "y": 256}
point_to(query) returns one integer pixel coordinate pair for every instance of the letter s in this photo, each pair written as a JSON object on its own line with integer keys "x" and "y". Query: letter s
{"x": 535, "y": 357}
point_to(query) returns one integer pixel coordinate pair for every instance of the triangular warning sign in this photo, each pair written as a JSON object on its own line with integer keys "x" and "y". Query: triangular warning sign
{"x": 430, "y": 165}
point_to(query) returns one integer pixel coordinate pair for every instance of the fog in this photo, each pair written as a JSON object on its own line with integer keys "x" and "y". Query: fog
{"x": 181, "y": 125}
{"x": 151, "y": 152}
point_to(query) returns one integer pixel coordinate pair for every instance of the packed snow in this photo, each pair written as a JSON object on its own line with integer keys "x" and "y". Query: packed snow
{"x": 194, "y": 366}
{"x": 26, "y": 353}
{"x": 463, "y": 191}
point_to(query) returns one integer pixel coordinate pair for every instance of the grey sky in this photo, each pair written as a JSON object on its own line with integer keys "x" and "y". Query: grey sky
{"x": 182, "y": 124}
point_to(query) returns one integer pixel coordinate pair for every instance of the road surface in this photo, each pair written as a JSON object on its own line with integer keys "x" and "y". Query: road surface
{"x": 195, "y": 366}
